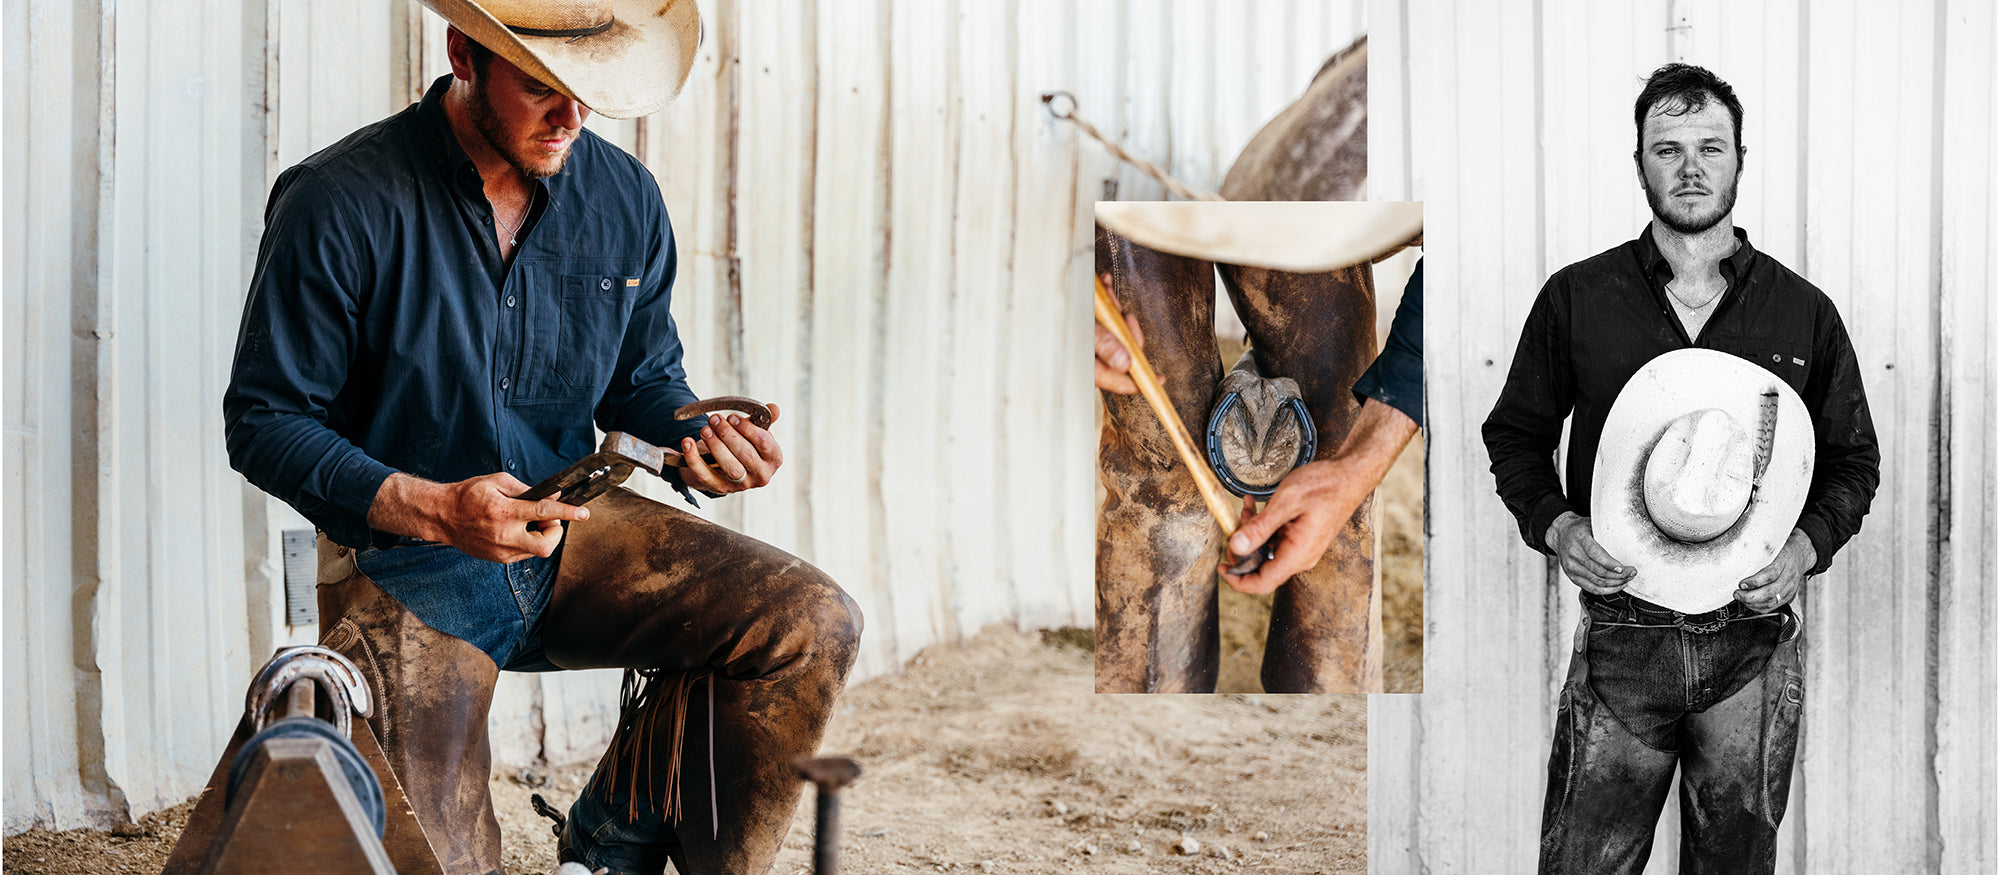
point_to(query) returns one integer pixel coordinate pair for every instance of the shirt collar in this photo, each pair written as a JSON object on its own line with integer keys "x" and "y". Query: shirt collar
{"x": 441, "y": 143}
{"x": 1735, "y": 264}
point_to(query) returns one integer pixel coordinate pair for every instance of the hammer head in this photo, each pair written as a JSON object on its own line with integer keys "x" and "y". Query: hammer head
{"x": 827, "y": 773}
{"x": 639, "y": 453}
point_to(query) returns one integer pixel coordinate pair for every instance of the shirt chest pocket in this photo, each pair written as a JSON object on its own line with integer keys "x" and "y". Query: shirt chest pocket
{"x": 1791, "y": 361}
{"x": 575, "y": 336}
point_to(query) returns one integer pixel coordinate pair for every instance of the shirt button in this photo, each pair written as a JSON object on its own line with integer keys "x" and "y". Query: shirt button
{"x": 1777, "y": 358}
{"x": 485, "y": 220}
{"x": 504, "y": 382}
{"x": 511, "y": 465}
{"x": 510, "y": 300}
{"x": 605, "y": 284}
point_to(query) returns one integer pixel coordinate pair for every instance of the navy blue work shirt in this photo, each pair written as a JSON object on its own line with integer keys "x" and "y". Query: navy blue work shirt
{"x": 1397, "y": 376}
{"x": 384, "y": 333}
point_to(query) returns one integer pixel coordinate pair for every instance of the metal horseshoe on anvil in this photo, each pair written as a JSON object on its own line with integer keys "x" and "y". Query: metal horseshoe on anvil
{"x": 621, "y": 454}
{"x": 302, "y": 786}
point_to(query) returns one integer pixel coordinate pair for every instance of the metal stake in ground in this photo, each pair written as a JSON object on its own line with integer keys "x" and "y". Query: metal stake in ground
{"x": 828, "y": 775}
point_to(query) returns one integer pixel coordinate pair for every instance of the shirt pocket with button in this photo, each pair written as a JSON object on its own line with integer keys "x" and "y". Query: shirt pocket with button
{"x": 572, "y": 324}
{"x": 590, "y": 329}
{"x": 1790, "y": 360}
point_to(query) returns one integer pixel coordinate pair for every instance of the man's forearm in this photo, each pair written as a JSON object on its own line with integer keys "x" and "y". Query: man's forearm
{"x": 403, "y": 506}
{"x": 1378, "y": 436}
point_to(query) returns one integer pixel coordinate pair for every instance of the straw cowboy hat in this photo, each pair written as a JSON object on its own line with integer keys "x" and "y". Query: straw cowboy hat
{"x": 1297, "y": 236}
{"x": 1700, "y": 477}
{"x": 621, "y": 58}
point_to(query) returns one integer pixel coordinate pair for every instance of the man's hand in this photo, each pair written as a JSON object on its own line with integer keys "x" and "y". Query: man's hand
{"x": 1305, "y": 515}
{"x": 1583, "y": 559}
{"x": 1113, "y": 360}
{"x": 480, "y": 516}
{"x": 1778, "y": 583}
{"x": 746, "y": 456}
{"x": 1316, "y": 499}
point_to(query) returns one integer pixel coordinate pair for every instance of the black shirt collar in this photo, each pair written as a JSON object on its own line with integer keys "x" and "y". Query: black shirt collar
{"x": 1734, "y": 265}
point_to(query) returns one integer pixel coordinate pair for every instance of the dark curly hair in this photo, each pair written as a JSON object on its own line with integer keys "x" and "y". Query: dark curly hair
{"x": 1684, "y": 88}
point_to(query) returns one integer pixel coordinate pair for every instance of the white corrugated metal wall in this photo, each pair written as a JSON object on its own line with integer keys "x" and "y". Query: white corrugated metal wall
{"x": 1870, "y": 129}
{"x": 880, "y": 230}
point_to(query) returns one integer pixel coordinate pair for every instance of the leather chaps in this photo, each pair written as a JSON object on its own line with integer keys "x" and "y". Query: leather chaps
{"x": 641, "y": 586}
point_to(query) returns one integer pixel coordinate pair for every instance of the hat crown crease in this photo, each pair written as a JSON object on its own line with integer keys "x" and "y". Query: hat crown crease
{"x": 571, "y": 16}
{"x": 1699, "y": 476}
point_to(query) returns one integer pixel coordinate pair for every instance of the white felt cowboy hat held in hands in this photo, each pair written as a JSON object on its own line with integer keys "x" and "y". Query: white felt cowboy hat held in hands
{"x": 1700, "y": 476}
{"x": 621, "y": 58}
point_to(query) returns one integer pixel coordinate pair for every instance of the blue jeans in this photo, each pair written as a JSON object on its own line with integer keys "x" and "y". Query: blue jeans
{"x": 497, "y": 608}
{"x": 1649, "y": 689}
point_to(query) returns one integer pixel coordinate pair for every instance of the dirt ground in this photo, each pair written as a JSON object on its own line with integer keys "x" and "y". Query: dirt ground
{"x": 997, "y": 757}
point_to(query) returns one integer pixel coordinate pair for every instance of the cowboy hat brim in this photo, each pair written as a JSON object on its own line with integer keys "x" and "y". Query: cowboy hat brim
{"x": 1296, "y": 236}
{"x": 1695, "y": 578}
{"x": 635, "y": 68}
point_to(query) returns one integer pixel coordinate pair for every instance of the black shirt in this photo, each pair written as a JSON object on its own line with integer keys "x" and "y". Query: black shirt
{"x": 1397, "y": 376}
{"x": 384, "y": 333}
{"x": 1598, "y": 321}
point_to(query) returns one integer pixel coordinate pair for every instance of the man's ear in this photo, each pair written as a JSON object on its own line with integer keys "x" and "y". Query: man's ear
{"x": 458, "y": 48}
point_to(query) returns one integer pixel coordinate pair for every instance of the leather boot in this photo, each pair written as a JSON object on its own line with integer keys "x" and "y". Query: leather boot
{"x": 741, "y": 649}
{"x": 432, "y": 693}
{"x": 1319, "y": 329}
{"x": 1157, "y": 545}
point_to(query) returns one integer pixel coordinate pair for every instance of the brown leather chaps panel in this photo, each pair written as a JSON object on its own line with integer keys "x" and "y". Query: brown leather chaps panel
{"x": 1319, "y": 329}
{"x": 432, "y": 693}
{"x": 645, "y": 585}
{"x": 1156, "y": 543}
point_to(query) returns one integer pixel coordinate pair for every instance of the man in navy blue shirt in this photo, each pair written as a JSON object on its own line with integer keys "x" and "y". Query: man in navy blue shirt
{"x": 443, "y": 305}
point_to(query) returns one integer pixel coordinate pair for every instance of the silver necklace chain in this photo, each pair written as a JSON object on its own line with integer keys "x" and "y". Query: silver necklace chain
{"x": 513, "y": 235}
{"x": 1695, "y": 307}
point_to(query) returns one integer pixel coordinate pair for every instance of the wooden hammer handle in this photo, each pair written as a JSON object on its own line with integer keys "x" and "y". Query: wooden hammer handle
{"x": 1143, "y": 374}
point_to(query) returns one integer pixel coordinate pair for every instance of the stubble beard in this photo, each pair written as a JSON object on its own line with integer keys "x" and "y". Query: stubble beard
{"x": 479, "y": 108}
{"x": 1662, "y": 207}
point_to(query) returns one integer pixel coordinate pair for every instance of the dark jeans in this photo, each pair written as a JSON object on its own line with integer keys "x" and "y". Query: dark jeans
{"x": 1717, "y": 695}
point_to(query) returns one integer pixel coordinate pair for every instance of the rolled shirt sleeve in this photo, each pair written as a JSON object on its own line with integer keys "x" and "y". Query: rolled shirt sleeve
{"x": 1397, "y": 376}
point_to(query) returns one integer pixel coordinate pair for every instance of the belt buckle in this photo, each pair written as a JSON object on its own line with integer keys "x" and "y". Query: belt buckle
{"x": 1716, "y": 625}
